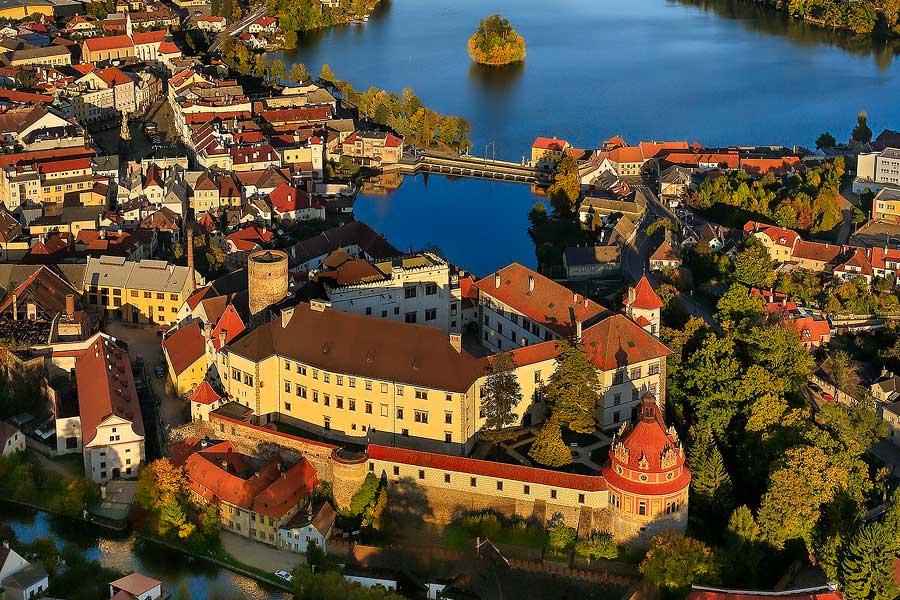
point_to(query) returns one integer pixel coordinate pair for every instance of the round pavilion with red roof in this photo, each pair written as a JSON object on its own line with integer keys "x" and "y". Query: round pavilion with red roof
{"x": 646, "y": 476}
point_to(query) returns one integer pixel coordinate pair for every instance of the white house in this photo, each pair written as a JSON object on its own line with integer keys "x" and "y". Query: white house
{"x": 20, "y": 579}
{"x": 308, "y": 527}
{"x": 11, "y": 439}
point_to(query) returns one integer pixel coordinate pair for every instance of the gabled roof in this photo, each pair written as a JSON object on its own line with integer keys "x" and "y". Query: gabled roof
{"x": 135, "y": 583}
{"x": 816, "y": 251}
{"x": 540, "y": 299}
{"x": 665, "y": 252}
{"x": 44, "y": 288}
{"x": 231, "y": 323}
{"x": 112, "y": 42}
{"x": 185, "y": 347}
{"x": 205, "y": 394}
{"x": 286, "y": 198}
{"x": 249, "y": 238}
{"x": 553, "y": 144}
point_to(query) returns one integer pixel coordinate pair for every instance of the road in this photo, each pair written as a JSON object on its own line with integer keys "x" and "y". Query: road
{"x": 636, "y": 254}
{"x": 235, "y": 29}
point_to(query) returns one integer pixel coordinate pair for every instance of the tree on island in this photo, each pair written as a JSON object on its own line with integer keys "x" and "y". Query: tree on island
{"x": 495, "y": 42}
{"x": 502, "y": 393}
{"x": 861, "y": 133}
{"x": 826, "y": 140}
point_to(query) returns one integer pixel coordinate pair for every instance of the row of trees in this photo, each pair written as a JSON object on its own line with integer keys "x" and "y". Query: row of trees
{"x": 861, "y": 16}
{"x": 305, "y": 15}
{"x": 25, "y": 481}
{"x": 405, "y": 114}
{"x": 806, "y": 201}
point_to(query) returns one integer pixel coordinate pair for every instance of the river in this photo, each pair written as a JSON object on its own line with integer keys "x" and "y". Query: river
{"x": 124, "y": 553}
{"x": 721, "y": 72}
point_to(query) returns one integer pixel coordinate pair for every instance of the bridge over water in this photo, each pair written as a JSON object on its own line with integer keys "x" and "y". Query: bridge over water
{"x": 466, "y": 166}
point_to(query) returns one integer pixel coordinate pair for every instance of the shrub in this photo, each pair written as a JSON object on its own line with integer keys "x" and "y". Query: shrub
{"x": 599, "y": 544}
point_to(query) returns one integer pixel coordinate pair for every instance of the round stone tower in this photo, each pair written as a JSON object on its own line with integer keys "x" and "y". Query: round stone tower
{"x": 348, "y": 471}
{"x": 647, "y": 479}
{"x": 267, "y": 278}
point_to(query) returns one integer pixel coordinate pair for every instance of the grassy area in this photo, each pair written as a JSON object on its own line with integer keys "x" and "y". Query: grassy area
{"x": 514, "y": 532}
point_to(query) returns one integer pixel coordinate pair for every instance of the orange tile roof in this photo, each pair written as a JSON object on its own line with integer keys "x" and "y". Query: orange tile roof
{"x": 553, "y": 144}
{"x": 548, "y": 304}
{"x": 205, "y": 394}
{"x": 108, "y": 43}
{"x": 149, "y": 37}
{"x": 644, "y": 296}
{"x": 471, "y": 466}
{"x": 185, "y": 347}
{"x": 705, "y": 593}
{"x": 816, "y": 251}
{"x": 231, "y": 323}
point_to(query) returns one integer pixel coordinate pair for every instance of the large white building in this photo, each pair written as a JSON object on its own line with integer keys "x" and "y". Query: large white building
{"x": 877, "y": 170}
{"x": 414, "y": 288}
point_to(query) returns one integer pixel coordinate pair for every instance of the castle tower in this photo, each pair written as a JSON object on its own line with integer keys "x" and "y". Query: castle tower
{"x": 643, "y": 306}
{"x": 267, "y": 278}
{"x": 647, "y": 479}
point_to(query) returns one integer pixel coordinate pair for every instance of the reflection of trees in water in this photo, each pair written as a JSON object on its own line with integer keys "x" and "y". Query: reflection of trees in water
{"x": 499, "y": 79}
{"x": 763, "y": 19}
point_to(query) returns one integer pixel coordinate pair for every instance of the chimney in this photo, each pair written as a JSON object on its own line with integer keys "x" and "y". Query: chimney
{"x": 585, "y": 301}
{"x": 456, "y": 342}
{"x": 531, "y": 283}
{"x": 574, "y": 298}
{"x": 223, "y": 335}
{"x": 286, "y": 315}
{"x": 496, "y": 280}
{"x": 70, "y": 305}
{"x": 190, "y": 258}
{"x": 577, "y": 330}
{"x": 15, "y": 303}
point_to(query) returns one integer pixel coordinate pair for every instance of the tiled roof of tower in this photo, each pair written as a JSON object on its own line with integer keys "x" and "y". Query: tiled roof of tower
{"x": 540, "y": 299}
{"x": 644, "y": 296}
{"x": 205, "y": 394}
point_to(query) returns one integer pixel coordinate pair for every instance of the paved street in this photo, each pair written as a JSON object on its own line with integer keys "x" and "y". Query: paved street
{"x": 259, "y": 555}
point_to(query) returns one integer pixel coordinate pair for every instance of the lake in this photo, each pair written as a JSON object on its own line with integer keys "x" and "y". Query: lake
{"x": 721, "y": 72}
{"x": 124, "y": 553}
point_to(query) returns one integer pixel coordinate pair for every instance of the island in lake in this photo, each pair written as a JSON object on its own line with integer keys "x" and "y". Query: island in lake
{"x": 496, "y": 43}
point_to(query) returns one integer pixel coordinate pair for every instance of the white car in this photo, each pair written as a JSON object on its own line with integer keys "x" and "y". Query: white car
{"x": 284, "y": 575}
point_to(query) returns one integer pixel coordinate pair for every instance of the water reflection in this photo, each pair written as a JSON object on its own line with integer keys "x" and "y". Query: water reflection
{"x": 499, "y": 80}
{"x": 762, "y": 19}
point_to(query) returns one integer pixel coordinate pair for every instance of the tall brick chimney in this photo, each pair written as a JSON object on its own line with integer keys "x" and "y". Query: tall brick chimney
{"x": 70, "y": 305}
{"x": 190, "y": 258}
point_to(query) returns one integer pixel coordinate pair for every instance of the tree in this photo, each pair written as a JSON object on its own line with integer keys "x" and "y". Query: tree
{"x": 25, "y": 78}
{"x": 158, "y": 482}
{"x": 739, "y": 307}
{"x": 571, "y": 392}
{"x": 793, "y": 501}
{"x": 780, "y": 351}
{"x": 843, "y": 372}
{"x": 548, "y": 447}
{"x": 867, "y": 568}
{"x": 566, "y": 187}
{"x": 299, "y": 74}
{"x": 277, "y": 71}
{"x": 826, "y": 140}
{"x": 754, "y": 267}
{"x": 538, "y": 214}
{"x": 861, "y": 133}
{"x": 675, "y": 562}
{"x": 290, "y": 39}
{"x": 315, "y": 556}
{"x": 327, "y": 75}
{"x": 501, "y": 394}
{"x": 599, "y": 544}
{"x": 710, "y": 482}
{"x": 495, "y": 42}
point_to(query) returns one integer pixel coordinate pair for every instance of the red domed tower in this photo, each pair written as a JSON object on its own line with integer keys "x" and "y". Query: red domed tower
{"x": 648, "y": 482}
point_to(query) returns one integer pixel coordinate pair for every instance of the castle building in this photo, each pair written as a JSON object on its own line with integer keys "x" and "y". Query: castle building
{"x": 646, "y": 475}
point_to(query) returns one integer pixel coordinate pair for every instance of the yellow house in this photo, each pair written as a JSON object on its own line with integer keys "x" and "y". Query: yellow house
{"x": 547, "y": 150}
{"x": 148, "y": 291}
{"x": 185, "y": 352}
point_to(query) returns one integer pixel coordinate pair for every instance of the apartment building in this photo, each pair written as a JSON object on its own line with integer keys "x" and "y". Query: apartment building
{"x": 548, "y": 151}
{"x": 414, "y": 288}
{"x": 373, "y": 148}
{"x": 148, "y": 291}
{"x": 877, "y": 170}
{"x": 253, "y": 502}
{"x": 886, "y": 205}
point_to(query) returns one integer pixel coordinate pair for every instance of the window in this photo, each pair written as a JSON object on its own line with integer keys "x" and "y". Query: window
{"x": 448, "y": 437}
{"x": 368, "y": 311}
{"x": 500, "y": 328}
{"x": 421, "y": 473}
{"x": 316, "y": 396}
{"x": 133, "y": 293}
{"x": 617, "y": 399}
{"x": 487, "y": 322}
{"x": 421, "y": 416}
{"x": 526, "y": 490}
{"x": 248, "y": 379}
{"x": 400, "y": 413}
{"x": 499, "y": 486}
{"x": 287, "y": 365}
{"x": 431, "y": 314}
{"x": 642, "y": 508}
{"x": 326, "y": 400}
{"x": 448, "y": 397}
{"x": 635, "y": 373}
{"x": 173, "y": 297}
{"x": 473, "y": 482}
{"x": 421, "y": 394}
{"x": 616, "y": 417}
{"x": 537, "y": 376}
{"x": 514, "y": 318}
{"x": 287, "y": 387}
{"x": 351, "y": 381}
{"x": 351, "y": 404}
{"x": 301, "y": 391}
{"x": 446, "y": 477}
{"x": 340, "y": 380}
{"x": 653, "y": 369}
{"x": 448, "y": 417}
{"x": 383, "y": 314}
{"x": 409, "y": 292}
{"x": 339, "y": 402}
{"x": 580, "y": 498}
{"x": 160, "y": 296}
{"x": 410, "y": 317}
{"x": 634, "y": 395}
{"x": 327, "y": 377}
{"x": 384, "y": 388}
{"x": 399, "y": 390}
{"x": 315, "y": 374}
{"x": 368, "y": 408}
{"x": 301, "y": 370}
{"x": 287, "y": 406}
{"x": 368, "y": 386}
{"x": 405, "y": 433}
{"x": 396, "y": 470}
{"x": 618, "y": 377}
{"x": 431, "y": 289}
{"x": 384, "y": 410}
{"x": 553, "y": 494}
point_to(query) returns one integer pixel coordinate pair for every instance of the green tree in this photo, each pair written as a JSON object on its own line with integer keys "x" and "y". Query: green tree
{"x": 565, "y": 189}
{"x": 299, "y": 74}
{"x": 548, "y": 447}
{"x": 538, "y": 214}
{"x": 826, "y": 140}
{"x": 571, "y": 392}
{"x": 737, "y": 307}
{"x": 862, "y": 133}
{"x": 867, "y": 565}
{"x": 599, "y": 544}
{"x": 711, "y": 485}
{"x": 779, "y": 350}
{"x": 315, "y": 556}
{"x": 25, "y": 78}
{"x": 675, "y": 562}
{"x": 290, "y": 39}
{"x": 495, "y": 42}
{"x": 327, "y": 74}
{"x": 753, "y": 266}
{"x": 501, "y": 395}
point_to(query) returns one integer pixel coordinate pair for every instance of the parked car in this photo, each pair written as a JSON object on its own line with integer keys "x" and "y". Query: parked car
{"x": 159, "y": 372}
{"x": 284, "y": 576}
{"x": 827, "y": 397}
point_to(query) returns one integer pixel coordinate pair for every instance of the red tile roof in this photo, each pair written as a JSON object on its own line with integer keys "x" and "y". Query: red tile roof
{"x": 286, "y": 198}
{"x": 249, "y": 238}
{"x": 548, "y": 304}
{"x": 645, "y": 297}
{"x": 705, "y": 593}
{"x": 811, "y": 331}
{"x": 543, "y": 143}
{"x": 287, "y": 491}
{"x": 815, "y": 251}
{"x": 652, "y": 149}
{"x": 185, "y": 347}
{"x": 297, "y": 115}
{"x": 149, "y": 37}
{"x": 105, "y": 387}
{"x": 108, "y": 43}
{"x": 778, "y": 235}
{"x": 625, "y": 154}
{"x": 760, "y": 166}
{"x": 231, "y": 323}
{"x": 471, "y": 466}
{"x": 58, "y": 166}
{"x": 205, "y": 394}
